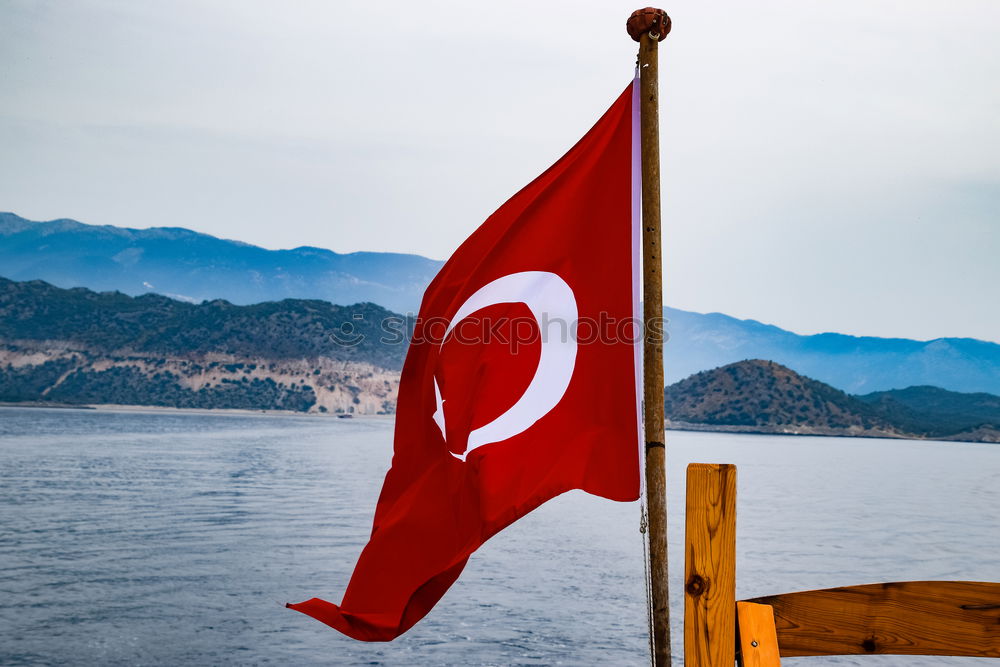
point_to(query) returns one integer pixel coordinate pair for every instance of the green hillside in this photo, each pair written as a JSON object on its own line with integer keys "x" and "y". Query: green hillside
{"x": 289, "y": 329}
{"x": 936, "y": 412}
{"x": 75, "y": 346}
{"x": 763, "y": 396}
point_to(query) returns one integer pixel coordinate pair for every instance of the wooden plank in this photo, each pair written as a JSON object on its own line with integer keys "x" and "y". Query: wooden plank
{"x": 757, "y": 641}
{"x": 710, "y": 566}
{"x": 959, "y": 618}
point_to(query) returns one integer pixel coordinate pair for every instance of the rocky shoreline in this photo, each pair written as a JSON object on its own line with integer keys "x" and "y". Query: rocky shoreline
{"x": 58, "y": 373}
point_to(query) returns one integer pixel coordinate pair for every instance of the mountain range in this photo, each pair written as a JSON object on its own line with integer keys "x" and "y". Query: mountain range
{"x": 856, "y": 364}
{"x": 190, "y": 266}
{"x": 75, "y": 346}
{"x": 196, "y": 267}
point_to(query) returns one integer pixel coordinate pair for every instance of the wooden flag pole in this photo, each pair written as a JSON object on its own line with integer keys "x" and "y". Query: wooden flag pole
{"x": 648, "y": 27}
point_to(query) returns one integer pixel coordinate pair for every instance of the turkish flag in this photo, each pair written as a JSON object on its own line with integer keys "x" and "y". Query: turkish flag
{"x": 520, "y": 382}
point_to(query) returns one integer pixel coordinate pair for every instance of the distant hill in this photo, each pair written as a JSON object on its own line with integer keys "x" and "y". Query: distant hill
{"x": 765, "y": 397}
{"x": 934, "y": 411}
{"x": 289, "y": 329}
{"x": 77, "y": 346}
{"x": 758, "y": 393}
{"x": 196, "y": 267}
{"x": 856, "y": 364}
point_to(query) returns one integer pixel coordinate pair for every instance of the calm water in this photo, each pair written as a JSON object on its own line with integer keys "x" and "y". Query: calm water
{"x": 151, "y": 538}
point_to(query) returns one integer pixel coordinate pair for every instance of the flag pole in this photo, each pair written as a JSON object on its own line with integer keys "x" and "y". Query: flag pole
{"x": 649, "y": 26}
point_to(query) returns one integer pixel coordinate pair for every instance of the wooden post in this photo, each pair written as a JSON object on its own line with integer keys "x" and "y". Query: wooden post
{"x": 649, "y": 26}
{"x": 757, "y": 640}
{"x": 710, "y": 566}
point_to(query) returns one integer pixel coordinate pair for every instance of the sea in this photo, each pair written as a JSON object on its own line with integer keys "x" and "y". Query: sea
{"x": 170, "y": 538}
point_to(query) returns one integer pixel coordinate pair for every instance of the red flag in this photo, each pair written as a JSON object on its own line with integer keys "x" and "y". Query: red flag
{"x": 520, "y": 382}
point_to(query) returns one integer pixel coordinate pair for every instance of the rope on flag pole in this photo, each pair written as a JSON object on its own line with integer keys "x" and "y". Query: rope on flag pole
{"x": 643, "y": 525}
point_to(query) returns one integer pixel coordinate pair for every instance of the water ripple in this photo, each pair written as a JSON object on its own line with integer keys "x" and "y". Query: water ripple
{"x": 166, "y": 539}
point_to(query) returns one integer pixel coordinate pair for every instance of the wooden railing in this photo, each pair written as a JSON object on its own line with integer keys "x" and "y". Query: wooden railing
{"x": 960, "y": 618}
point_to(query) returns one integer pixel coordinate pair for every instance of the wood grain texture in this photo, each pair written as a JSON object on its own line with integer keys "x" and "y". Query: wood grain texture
{"x": 710, "y": 566}
{"x": 757, "y": 641}
{"x": 959, "y": 618}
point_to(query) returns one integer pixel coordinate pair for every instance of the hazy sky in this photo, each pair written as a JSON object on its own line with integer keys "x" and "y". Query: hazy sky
{"x": 826, "y": 166}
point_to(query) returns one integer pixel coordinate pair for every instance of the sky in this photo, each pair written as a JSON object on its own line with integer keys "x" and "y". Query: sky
{"x": 826, "y": 166}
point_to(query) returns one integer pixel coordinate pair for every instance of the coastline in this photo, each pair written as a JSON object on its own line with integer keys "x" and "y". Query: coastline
{"x": 165, "y": 409}
{"x": 990, "y": 437}
{"x": 986, "y": 437}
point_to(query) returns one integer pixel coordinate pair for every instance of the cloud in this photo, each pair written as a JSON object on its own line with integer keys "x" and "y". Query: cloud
{"x": 825, "y": 166}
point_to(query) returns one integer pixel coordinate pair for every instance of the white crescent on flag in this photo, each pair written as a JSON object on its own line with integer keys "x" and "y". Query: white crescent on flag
{"x": 551, "y": 301}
